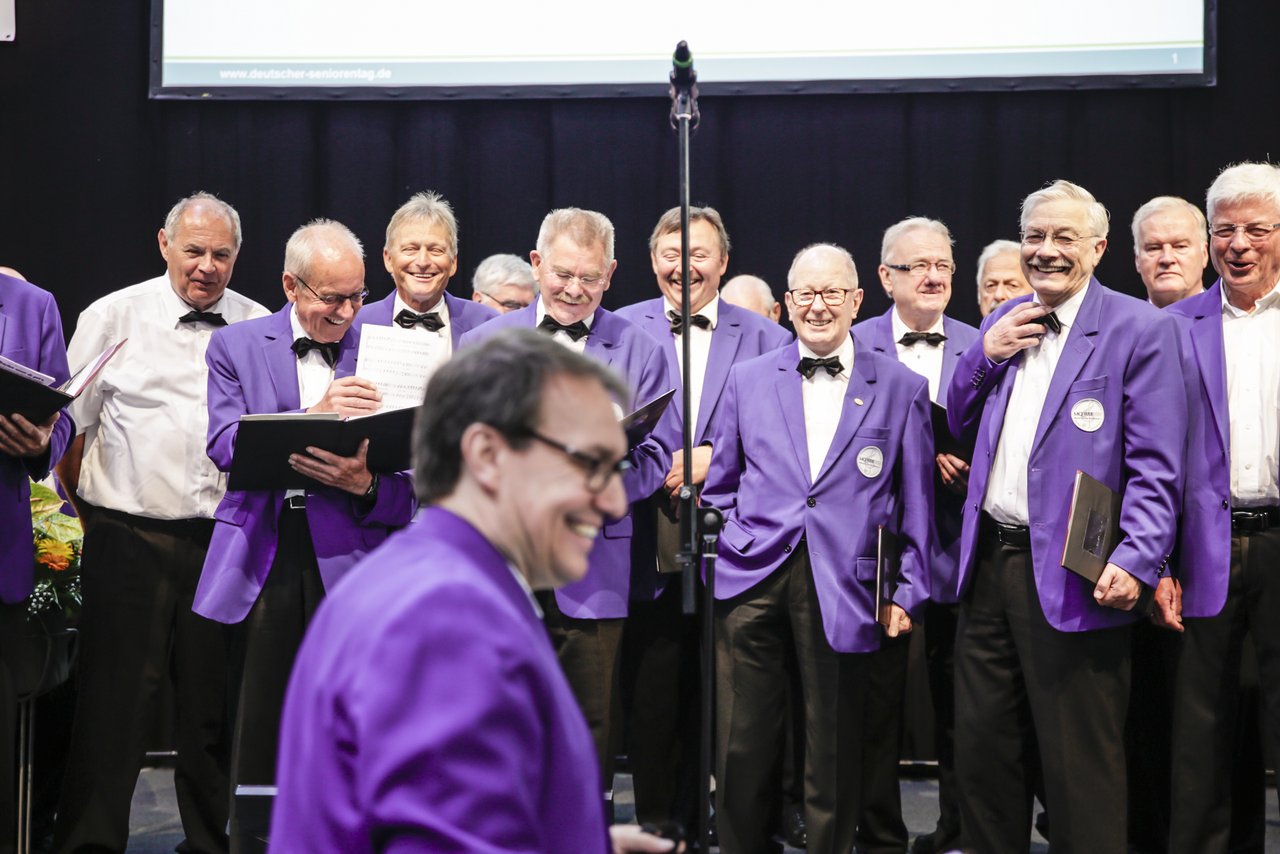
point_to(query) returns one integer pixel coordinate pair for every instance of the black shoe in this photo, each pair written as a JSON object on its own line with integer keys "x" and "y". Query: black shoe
{"x": 793, "y": 828}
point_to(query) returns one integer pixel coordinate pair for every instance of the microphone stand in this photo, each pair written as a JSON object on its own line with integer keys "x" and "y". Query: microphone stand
{"x": 684, "y": 118}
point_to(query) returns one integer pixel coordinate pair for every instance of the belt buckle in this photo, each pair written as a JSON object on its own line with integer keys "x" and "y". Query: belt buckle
{"x": 296, "y": 502}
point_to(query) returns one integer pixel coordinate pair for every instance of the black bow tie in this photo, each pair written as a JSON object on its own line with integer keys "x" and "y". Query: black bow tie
{"x": 933, "y": 339}
{"x": 1051, "y": 323}
{"x": 677, "y": 322}
{"x": 576, "y": 330}
{"x": 210, "y": 317}
{"x": 808, "y": 367}
{"x": 430, "y": 319}
{"x": 328, "y": 352}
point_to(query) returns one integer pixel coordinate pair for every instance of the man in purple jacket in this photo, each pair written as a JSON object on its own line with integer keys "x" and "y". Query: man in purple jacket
{"x": 427, "y": 711}
{"x": 818, "y": 445}
{"x": 574, "y": 264}
{"x": 1229, "y": 539}
{"x": 275, "y": 553}
{"x": 31, "y": 335}
{"x": 1076, "y": 377}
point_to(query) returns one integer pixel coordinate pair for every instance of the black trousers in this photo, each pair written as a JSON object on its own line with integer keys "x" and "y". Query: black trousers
{"x": 1206, "y": 694}
{"x": 588, "y": 651}
{"x": 939, "y": 627}
{"x": 1020, "y": 682}
{"x": 137, "y": 629}
{"x": 881, "y": 829}
{"x": 757, "y": 632}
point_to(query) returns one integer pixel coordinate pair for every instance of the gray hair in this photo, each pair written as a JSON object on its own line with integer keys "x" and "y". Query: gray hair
{"x": 912, "y": 223}
{"x": 1161, "y": 204}
{"x": 175, "y": 214}
{"x": 499, "y": 383}
{"x": 585, "y": 228}
{"x": 300, "y": 251}
{"x": 498, "y": 270}
{"x": 669, "y": 223}
{"x": 1242, "y": 182}
{"x": 1065, "y": 191}
{"x": 850, "y": 269}
{"x": 753, "y": 285}
{"x": 426, "y": 207}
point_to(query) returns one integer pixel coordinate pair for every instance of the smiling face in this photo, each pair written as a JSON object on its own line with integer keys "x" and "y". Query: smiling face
{"x": 552, "y": 518}
{"x": 1171, "y": 255}
{"x": 822, "y": 327}
{"x": 1001, "y": 280}
{"x": 201, "y": 255}
{"x": 335, "y": 271}
{"x": 572, "y": 278}
{"x": 1058, "y": 272}
{"x": 707, "y": 264}
{"x": 421, "y": 260}
{"x": 919, "y": 298}
{"x": 1249, "y": 268}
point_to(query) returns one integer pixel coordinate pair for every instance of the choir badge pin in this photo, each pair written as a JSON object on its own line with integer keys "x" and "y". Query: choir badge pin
{"x": 870, "y": 461}
{"x": 1087, "y": 414}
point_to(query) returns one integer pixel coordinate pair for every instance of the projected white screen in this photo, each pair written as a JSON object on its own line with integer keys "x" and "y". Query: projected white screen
{"x": 513, "y": 46}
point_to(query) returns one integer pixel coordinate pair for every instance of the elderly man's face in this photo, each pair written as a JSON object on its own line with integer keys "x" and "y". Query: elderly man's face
{"x": 922, "y": 296}
{"x": 1249, "y": 268}
{"x": 421, "y": 260}
{"x": 337, "y": 277}
{"x": 572, "y": 278}
{"x": 509, "y": 296}
{"x": 1171, "y": 255}
{"x": 821, "y": 326}
{"x": 201, "y": 255}
{"x": 1001, "y": 280}
{"x": 553, "y": 512}
{"x": 1059, "y": 251}
{"x": 706, "y": 264}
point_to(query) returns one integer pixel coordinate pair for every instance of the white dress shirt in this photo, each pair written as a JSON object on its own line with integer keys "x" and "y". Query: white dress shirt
{"x": 1253, "y": 398}
{"x": 145, "y": 418}
{"x": 920, "y": 357}
{"x": 441, "y": 339}
{"x": 699, "y": 351}
{"x": 579, "y": 346}
{"x": 1006, "y": 498}
{"x": 823, "y": 397}
{"x": 314, "y": 373}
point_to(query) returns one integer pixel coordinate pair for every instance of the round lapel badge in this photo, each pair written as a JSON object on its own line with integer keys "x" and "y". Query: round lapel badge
{"x": 1087, "y": 414}
{"x": 870, "y": 461}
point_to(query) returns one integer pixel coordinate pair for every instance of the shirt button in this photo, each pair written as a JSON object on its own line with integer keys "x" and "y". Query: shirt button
{"x": 812, "y": 502}
{"x": 1224, "y": 504}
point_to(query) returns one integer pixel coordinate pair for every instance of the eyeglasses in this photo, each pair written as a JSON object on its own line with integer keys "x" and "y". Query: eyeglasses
{"x": 565, "y": 278}
{"x": 598, "y": 470}
{"x": 332, "y": 300}
{"x": 508, "y": 304}
{"x": 1059, "y": 240}
{"x": 1255, "y": 231}
{"x": 921, "y": 268}
{"x": 831, "y": 296}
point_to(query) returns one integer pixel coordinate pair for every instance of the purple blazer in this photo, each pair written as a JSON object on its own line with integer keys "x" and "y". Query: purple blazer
{"x": 427, "y": 712}
{"x": 739, "y": 335}
{"x": 759, "y": 477}
{"x": 604, "y": 592}
{"x": 877, "y": 333}
{"x": 31, "y": 334}
{"x": 1202, "y": 561}
{"x": 251, "y": 370}
{"x": 1123, "y": 354}
{"x": 464, "y": 315}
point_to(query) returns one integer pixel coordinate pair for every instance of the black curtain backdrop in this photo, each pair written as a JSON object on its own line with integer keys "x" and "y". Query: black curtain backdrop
{"x": 89, "y": 165}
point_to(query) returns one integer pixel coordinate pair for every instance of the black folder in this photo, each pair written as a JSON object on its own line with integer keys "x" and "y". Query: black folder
{"x": 887, "y": 567}
{"x": 943, "y": 441}
{"x": 264, "y": 443}
{"x": 640, "y": 422}
{"x": 36, "y": 399}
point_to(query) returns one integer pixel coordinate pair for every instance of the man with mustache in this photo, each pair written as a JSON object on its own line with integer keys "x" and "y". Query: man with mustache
{"x": 574, "y": 265}
{"x": 1075, "y": 377}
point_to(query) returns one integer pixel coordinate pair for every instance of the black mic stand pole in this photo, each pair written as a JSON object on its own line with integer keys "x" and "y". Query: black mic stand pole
{"x": 684, "y": 117}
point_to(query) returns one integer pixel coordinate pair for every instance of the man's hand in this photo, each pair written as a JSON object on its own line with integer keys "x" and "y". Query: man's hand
{"x": 675, "y": 478}
{"x": 349, "y": 396}
{"x": 954, "y": 472}
{"x": 350, "y": 474}
{"x": 1117, "y": 589}
{"x": 1017, "y": 330}
{"x": 1168, "y": 601}
{"x": 630, "y": 838}
{"x": 895, "y": 619}
{"x": 20, "y": 438}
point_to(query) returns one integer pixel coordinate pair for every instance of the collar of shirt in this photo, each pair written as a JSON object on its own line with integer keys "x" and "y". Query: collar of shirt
{"x": 441, "y": 308}
{"x": 528, "y": 591}
{"x": 542, "y": 312}
{"x": 175, "y": 307}
{"x": 900, "y": 327}
{"x": 313, "y": 356}
{"x": 1067, "y": 311}
{"x": 844, "y": 353}
{"x": 711, "y": 311}
{"x": 1266, "y": 302}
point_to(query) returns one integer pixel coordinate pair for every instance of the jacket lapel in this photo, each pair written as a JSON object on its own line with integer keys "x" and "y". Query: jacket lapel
{"x": 1078, "y": 347}
{"x": 858, "y": 398}
{"x": 791, "y": 402}
{"x": 725, "y": 340}
{"x": 282, "y": 364}
{"x": 1208, "y": 345}
{"x": 951, "y": 350}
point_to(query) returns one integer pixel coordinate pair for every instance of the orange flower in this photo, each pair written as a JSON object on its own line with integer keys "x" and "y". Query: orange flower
{"x": 53, "y": 554}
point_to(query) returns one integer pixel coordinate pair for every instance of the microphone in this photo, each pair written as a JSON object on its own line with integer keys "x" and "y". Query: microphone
{"x": 682, "y": 74}
{"x": 684, "y": 87}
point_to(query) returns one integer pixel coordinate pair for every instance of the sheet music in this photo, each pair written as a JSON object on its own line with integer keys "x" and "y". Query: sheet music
{"x": 398, "y": 362}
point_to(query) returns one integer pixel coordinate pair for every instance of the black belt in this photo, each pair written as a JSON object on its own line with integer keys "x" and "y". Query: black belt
{"x": 1251, "y": 520}
{"x": 1014, "y": 536}
{"x": 295, "y": 502}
